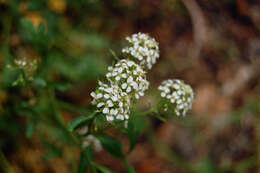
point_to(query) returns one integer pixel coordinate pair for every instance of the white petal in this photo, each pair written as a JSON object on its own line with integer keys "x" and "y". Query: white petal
{"x": 117, "y": 78}
{"x": 130, "y": 79}
{"x": 100, "y": 104}
{"x": 110, "y": 104}
{"x": 105, "y": 110}
{"x": 99, "y": 95}
{"x": 93, "y": 94}
{"x": 128, "y": 89}
{"x": 114, "y": 98}
{"x": 124, "y": 75}
{"x": 163, "y": 94}
{"x": 124, "y": 85}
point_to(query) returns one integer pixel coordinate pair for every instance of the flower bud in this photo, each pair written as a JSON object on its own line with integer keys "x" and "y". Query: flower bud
{"x": 178, "y": 94}
{"x": 93, "y": 141}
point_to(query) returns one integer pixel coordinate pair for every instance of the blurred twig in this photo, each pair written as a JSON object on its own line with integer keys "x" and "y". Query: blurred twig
{"x": 199, "y": 26}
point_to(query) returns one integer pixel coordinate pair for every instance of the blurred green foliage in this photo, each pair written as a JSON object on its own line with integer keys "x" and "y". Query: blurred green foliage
{"x": 67, "y": 54}
{"x": 70, "y": 41}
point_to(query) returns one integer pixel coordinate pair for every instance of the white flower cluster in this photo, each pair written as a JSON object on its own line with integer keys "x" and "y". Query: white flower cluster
{"x": 111, "y": 101}
{"x": 178, "y": 94}
{"x": 127, "y": 79}
{"x": 91, "y": 140}
{"x": 129, "y": 76}
{"x": 143, "y": 48}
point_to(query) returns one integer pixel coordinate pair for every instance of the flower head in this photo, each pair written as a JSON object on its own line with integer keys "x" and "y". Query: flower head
{"x": 111, "y": 101}
{"x": 93, "y": 141}
{"x": 142, "y": 48}
{"x": 177, "y": 93}
{"x": 129, "y": 77}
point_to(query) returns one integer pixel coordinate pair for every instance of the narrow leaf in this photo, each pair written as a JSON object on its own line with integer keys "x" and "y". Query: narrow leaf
{"x": 101, "y": 168}
{"x": 111, "y": 145}
{"x": 83, "y": 161}
{"x": 75, "y": 123}
{"x": 133, "y": 135}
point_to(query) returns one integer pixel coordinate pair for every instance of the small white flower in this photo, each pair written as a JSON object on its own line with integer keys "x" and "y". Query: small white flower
{"x": 99, "y": 95}
{"x": 117, "y": 78}
{"x": 109, "y": 103}
{"x": 93, "y": 94}
{"x": 124, "y": 85}
{"x": 128, "y": 89}
{"x": 106, "y": 96}
{"x": 100, "y": 104}
{"x": 163, "y": 94}
{"x": 178, "y": 94}
{"x": 105, "y": 110}
{"x": 142, "y": 48}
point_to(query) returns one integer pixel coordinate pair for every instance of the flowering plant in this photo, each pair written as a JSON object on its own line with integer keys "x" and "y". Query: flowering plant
{"x": 125, "y": 82}
{"x": 113, "y": 103}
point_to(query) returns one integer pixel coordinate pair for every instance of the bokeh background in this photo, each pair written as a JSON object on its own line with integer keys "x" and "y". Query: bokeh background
{"x": 212, "y": 45}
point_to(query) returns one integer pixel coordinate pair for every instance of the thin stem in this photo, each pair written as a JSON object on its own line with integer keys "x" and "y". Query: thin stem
{"x": 151, "y": 110}
{"x": 114, "y": 54}
{"x": 154, "y": 111}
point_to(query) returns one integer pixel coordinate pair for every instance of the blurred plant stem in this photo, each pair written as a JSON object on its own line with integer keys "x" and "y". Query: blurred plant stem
{"x": 57, "y": 115}
{"x": 114, "y": 54}
{"x": 154, "y": 111}
{"x": 5, "y": 164}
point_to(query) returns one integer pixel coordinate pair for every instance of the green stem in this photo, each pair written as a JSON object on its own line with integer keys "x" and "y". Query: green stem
{"x": 154, "y": 111}
{"x": 150, "y": 111}
{"x": 58, "y": 117}
{"x": 114, "y": 54}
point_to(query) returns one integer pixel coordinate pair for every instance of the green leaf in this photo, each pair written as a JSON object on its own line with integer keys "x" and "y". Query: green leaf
{"x": 27, "y": 29}
{"x": 84, "y": 160}
{"x": 101, "y": 168}
{"x": 132, "y": 134}
{"x": 111, "y": 145}
{"x": 39, "y": 82}
{"x": 75, "y": 123}
{"x": 61, "y": 86}
{"x": 37, "y": 36}
{"x": 128, "y": 167}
